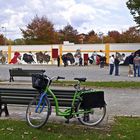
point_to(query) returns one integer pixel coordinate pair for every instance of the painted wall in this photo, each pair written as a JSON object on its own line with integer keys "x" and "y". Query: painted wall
{"x": 126, "y": 48}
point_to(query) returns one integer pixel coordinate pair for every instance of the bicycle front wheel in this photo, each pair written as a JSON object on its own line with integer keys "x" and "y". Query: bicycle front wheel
{"x": 37, "y": 115}
{"x": 90, "y": 117}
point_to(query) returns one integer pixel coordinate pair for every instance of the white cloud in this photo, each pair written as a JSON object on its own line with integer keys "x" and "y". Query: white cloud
{"x": 83, "y": 15}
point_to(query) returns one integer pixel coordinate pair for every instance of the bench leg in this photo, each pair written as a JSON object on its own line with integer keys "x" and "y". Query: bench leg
{"x": 4, "y": 109}
{"x": 11, "y": 79}
{"x": 0, "y": 109}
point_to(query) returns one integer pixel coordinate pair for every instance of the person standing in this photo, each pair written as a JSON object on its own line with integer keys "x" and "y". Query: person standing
{"x": 111, "y": 65}
{"x": 101, "y": 62}
{"x": 102, "y": 55}
{"x": 95, "y": 57}
{"x": 116, "y": 64}
{"x": 136, "y": 65}
{"x": 58, "y": 61}
{"x": 65, "y": 60}
{"x": 130, "y": 63}
{"x": 80, "y": 61}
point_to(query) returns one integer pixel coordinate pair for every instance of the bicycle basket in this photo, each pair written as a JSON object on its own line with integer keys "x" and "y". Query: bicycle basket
{"x": 39, "y": 81}
{"x": 94, "y": 99}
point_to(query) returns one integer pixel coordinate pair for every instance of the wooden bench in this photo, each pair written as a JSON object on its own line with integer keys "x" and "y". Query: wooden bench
{"x": 24, "y": 96}
{"x": 19, "y": 72}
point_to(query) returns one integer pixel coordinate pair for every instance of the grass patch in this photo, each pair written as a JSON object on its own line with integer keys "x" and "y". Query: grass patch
{"x": 123, "y": 128}
{"x": 118, "y": 84}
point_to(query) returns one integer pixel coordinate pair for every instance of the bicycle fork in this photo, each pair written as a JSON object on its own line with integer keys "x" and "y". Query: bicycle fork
{"x": 38, "y": 105}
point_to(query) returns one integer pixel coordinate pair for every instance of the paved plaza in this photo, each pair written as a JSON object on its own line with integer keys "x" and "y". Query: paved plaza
{"x": 91, "y": 72}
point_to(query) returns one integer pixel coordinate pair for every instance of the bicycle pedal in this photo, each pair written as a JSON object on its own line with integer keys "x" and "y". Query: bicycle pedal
{"x": 86, "y": 118}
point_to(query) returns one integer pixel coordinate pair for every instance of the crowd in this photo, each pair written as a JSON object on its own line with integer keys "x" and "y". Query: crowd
{"x": 133, "y": 63}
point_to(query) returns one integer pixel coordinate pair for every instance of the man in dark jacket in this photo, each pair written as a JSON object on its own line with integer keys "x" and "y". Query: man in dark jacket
{"x": 116, "y": 63}
{"x": 131, "y": 65}
{"x": 58, "y": 61}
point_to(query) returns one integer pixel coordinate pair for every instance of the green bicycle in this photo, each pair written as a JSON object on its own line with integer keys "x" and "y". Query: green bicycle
{"x": 88, "y": 106}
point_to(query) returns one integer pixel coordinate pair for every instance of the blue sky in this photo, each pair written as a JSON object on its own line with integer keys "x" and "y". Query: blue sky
{"x": 83, "y": 15}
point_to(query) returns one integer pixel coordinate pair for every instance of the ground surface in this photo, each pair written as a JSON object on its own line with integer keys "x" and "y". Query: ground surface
{"x": 120, "y": 101}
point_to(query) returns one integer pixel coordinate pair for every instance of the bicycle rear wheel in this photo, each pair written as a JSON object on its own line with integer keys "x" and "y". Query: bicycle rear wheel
{"x": 37, "y": 115}
{"x": 92, "y": 116}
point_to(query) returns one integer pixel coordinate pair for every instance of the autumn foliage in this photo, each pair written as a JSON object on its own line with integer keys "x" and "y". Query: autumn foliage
{"x": 42, "y": 31}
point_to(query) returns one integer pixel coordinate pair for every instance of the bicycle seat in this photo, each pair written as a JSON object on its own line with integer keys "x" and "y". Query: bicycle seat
{"x": 81, "y": 79}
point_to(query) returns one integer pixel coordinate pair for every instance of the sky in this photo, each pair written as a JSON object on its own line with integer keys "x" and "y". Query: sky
{"x": 83, "y": 15}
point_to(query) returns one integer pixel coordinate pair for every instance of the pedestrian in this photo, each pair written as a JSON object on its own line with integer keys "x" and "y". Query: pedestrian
{"x": 102, "y": 61}
{"x": 130, "y": 63}
{"x": 93, "y": 57}
{"x": 65, "y": 60}
{"x": 111, "y": 65}
{"x": 80, "y": 61}
{"x": 58, "y": 61}
{"x": 136, "y": 65}
{"x": 116, "y": 64}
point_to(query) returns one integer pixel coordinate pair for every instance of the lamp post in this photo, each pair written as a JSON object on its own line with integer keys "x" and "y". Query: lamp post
{"x": 4, "y": 32}
{"x": 101, "y": 36}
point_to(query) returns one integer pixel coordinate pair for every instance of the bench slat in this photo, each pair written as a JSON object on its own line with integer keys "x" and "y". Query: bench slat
{"x": 24, "y": 96}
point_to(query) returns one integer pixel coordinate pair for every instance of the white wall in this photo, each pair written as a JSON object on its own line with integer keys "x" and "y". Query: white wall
{"x": 70, "y": 47}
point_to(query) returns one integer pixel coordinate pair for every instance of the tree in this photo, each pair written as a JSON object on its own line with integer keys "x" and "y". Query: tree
{"x": 114, "y": 35}
{"x": 134, "y": 7}
{"x": 39, "y": 31}
{"x": 108, "y": 39}
{"x": 19, "y": 41}
{"x": 91, "y": 33}
{"x": 92, "y": 37}
{"x": 68, "y": 33}
{"x": 2, "y": 39}
{"x": 131, "y": 36}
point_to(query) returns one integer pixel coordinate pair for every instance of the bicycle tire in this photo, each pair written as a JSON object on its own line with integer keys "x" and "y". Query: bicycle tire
{"x": 38, "y": 119}
{"x": 93, "y": 117}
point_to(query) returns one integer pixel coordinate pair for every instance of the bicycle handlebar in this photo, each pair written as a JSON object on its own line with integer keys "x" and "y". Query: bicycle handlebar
{"x": 57, "y": 78}
{"x": 60, "y": 77}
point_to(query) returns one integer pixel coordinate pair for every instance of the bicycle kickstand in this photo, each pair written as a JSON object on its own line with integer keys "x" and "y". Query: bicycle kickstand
{"x": 67, "y": 121}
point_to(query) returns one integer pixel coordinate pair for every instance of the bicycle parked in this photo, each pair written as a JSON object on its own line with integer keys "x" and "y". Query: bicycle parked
{"x": 90, "y": 109}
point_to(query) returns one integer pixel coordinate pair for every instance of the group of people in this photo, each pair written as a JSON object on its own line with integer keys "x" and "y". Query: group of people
{"x": 133, "y": 61}
{"x": 134, "y": 65}
{"x": 114, "y": 63}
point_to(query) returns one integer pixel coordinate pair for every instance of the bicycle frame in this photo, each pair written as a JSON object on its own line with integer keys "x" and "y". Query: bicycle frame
{"x": 68, "y": 111}
{"x": 57, "y": 108}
